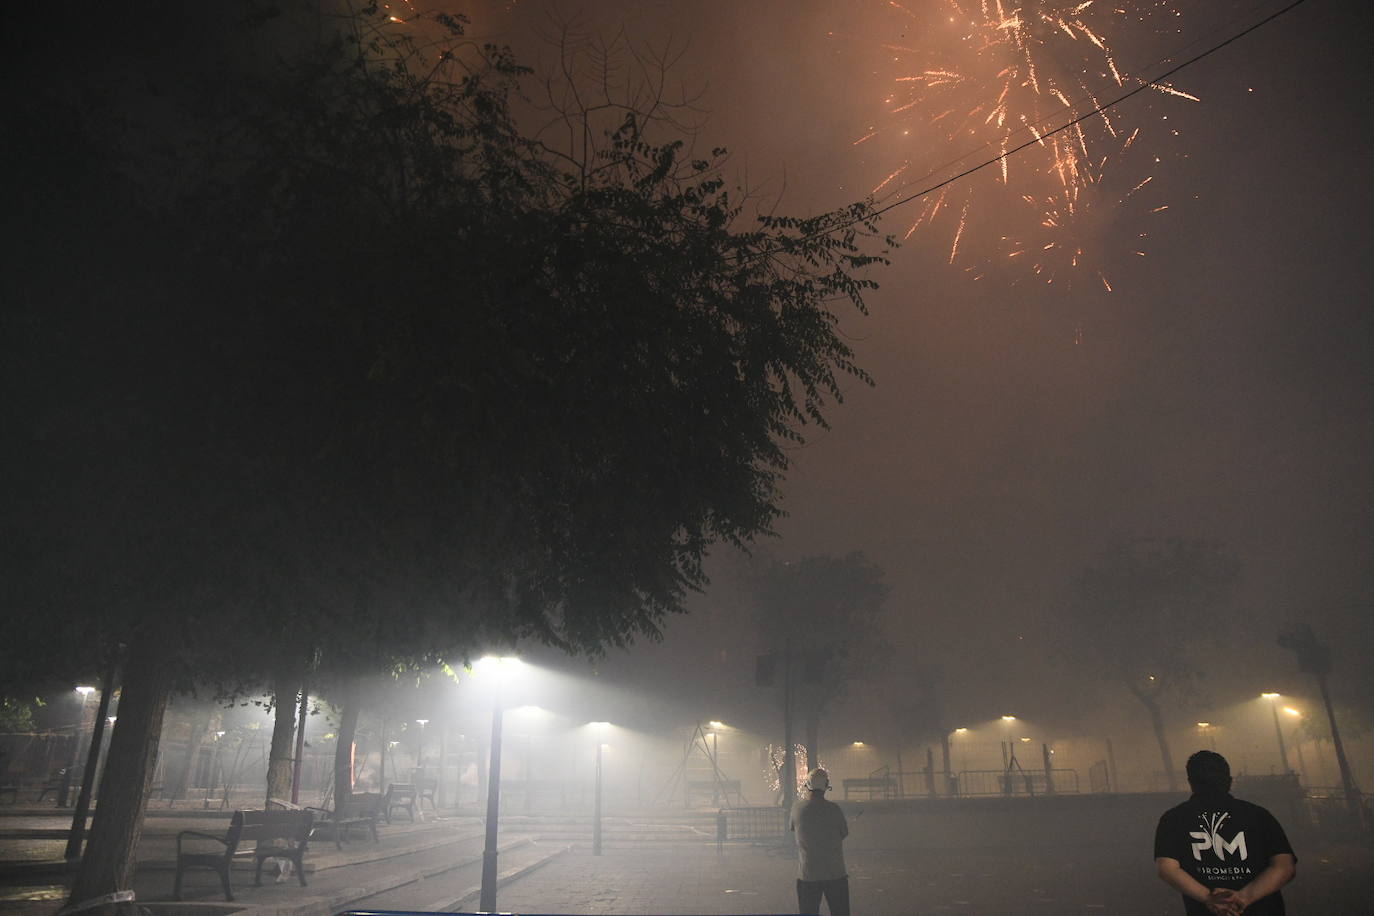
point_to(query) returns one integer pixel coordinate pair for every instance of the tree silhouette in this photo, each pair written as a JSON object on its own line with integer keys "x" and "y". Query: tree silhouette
{"x": 1146, "y": 614}
{"x": 313, "y": 356}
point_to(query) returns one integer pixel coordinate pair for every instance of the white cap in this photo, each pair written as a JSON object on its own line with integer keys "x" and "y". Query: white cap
{"x": 818, "y": 780}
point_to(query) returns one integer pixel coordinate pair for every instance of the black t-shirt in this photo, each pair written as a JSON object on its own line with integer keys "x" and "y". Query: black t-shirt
{"x": 1222, "y": 842}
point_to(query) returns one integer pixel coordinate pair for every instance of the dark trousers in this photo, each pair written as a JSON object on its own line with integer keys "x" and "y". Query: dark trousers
{"x": 835, "y": 891}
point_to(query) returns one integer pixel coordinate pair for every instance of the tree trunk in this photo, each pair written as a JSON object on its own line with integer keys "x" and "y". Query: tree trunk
{"x": 108, "y": 865}
{"x": 199, "y": 727}
{"x": 285, "y": 692}
{"x": 343, "y": 750}
{"x": 1165, "y": 756}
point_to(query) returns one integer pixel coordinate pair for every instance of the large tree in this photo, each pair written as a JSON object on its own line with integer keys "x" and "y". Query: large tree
{"x": 1146, "y": 615}
{"x": 312, "y": 356}
{"x": 826, "y": 613}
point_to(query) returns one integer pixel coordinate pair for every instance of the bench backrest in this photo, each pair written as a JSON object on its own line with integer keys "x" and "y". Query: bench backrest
{"x": 400, "y": 792}
{"x": 291, "y": 826}
{"x": 360, "y": 804}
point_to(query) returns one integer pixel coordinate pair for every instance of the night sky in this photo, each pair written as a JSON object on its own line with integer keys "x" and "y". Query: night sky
{"x": 1222, "y": 390}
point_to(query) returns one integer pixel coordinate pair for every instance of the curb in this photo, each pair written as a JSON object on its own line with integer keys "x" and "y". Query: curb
{"x": 502, "y": 880}
{"x": 339, "y": 900}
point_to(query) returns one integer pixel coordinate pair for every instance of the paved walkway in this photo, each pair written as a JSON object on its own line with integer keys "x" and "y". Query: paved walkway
{"x": 547, "y": 869}
{"x": 662, "y": 881}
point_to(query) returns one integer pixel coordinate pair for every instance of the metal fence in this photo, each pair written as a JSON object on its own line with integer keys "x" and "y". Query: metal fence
{"x": 756, "y": 822}
{"x": 1018, "y": 782}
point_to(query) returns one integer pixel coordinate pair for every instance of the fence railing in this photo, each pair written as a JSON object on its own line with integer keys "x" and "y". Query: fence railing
{"x": 755, "y": 822}
{"x": 1018, "y": 782}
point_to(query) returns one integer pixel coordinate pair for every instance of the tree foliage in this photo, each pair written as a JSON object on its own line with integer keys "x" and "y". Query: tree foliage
{"x": 314, "y": 357}
{"x": 353, "y": 365}
{"x": 829, "y": 611}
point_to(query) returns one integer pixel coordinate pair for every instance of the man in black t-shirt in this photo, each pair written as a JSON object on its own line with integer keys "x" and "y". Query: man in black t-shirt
{"x": 1225, "y": 856}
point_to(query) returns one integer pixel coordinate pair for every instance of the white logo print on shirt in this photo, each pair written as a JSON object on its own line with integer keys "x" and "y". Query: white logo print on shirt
{"x": 1210, "y": 838}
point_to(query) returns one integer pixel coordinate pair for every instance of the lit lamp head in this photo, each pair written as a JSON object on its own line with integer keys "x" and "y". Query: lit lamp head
{"x": 85, "y": 691}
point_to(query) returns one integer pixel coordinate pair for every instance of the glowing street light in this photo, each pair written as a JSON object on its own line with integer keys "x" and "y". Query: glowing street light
{"x": 596, "y": 813}
{"x": 420, "y": 751}
{"x": 66, "y": 785}
{"x": 500, "y": 670}
{"x": 77, "y": 834}
{"x": 1278, "y": 731}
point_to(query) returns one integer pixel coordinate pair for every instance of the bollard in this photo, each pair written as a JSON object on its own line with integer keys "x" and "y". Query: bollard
{"x": 721, "y": 830}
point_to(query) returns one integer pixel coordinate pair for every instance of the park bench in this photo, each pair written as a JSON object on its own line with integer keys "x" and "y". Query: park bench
{"x": 400, "y": 795}
{"x": 358, "y": 810}
{"x": 53, "y": 785}
{"x": 278, "y": 833}
{"x": 871, "y": 786}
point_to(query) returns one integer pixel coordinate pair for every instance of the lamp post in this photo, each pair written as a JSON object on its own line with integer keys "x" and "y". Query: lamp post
{"x": 1297, "y": 743}
{"x": 1208, "y": 731}
{"x": 420, "y": 751}
{"x": 66, "y": 785}
{"x": 1278, "y": 730}
{"x": 1008, "y": 753}
{"x": 213, "y": 781}
{"x": 953, "y": 778}
{"x": 596, "y": 795}
{"x": 76, "y": 836}
{"x": 500, "y": 669}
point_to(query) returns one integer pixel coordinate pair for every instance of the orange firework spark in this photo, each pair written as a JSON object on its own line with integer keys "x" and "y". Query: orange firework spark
{"x": 990, "y": 75}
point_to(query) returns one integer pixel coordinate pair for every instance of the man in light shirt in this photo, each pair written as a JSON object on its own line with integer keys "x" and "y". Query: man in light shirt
{"x": 821, "y": 828}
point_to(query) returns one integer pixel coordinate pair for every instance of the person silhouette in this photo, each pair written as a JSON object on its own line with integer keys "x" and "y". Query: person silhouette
{"x": 1224, "y": 855}
{"x": 820, "y": 827}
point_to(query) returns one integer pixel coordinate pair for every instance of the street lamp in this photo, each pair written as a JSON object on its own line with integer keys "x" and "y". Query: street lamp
{"x": 420, "y": 751}
{"x": 500, "y": 670}
{"x": 66, "y": 785}
{"x": 716, "y": 727}
{"x": 1297, "y": 744}
{"x": 952, "y": 779}
{"x": 596, "y": 810}
{"x": 1278, "y": 731}
{"x": 1208, "y": 731}
{"x": 213, "y": 782}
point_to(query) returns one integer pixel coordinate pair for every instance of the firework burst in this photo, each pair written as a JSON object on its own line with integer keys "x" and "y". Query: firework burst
{"x": 986, "y": 77}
